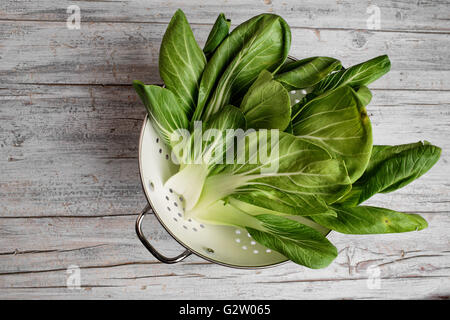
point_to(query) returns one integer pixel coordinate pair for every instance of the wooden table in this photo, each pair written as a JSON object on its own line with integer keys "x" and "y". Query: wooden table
{"x": 69, "y": 127}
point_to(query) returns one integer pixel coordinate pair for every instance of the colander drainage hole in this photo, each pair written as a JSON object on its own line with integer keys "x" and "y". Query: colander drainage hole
{"x": 167, "y": 198}
{"x": 160, "y": 150}
{"x": 238, "y": 240}
{"x": 175, "y": 204}
{"x": 255, "y": 251}
{"x": 151, "y": 186}
{"x": 209, "y": 250}
{"x": 244, "y": 247}
{"x": 180, "y": 215}
{"x": 157, "y": 140}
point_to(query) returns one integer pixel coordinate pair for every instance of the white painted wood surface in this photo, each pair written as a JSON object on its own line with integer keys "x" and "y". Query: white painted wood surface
{"x": 69, "y": 126}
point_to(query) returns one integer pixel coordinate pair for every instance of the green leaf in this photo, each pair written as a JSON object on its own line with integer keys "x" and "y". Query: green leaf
{"x": 292, "y": 165}
{"x": 163, "y": 108}
{"x": 181, "y": 62}
{"x": 266, "y": 105}
{"x": 299, "y": 243}
{"x": 218, "y": 33}
{"x": 299, "y": 105}
{"x": 202, "y": 152}
{"x": 370, "y": 220}
{"x": 338, "y": 122}
{"x": 279, "y": 202}
{"x": 391, "y": 168}
{"x": 364, "y": 95}
{"x": 359, "y": 75}
{"x": 289, "y": 128}
{"x": 230, "y": 118}
{"x": 260, "y": 43}
{"x": 307, "y": 72}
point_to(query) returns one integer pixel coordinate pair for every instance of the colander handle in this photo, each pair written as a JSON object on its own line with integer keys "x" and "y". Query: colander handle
{"x": 149, "y": 247}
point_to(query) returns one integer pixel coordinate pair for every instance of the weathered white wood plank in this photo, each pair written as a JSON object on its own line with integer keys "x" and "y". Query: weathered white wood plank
{"x": 426, "y": 16}
{"x": 72, "y": 150}
{"x": 188, "y": 288}
{"x": 69, "y": 181}
{"x": 107, "y": 53}
{"x": 114, "y": 263}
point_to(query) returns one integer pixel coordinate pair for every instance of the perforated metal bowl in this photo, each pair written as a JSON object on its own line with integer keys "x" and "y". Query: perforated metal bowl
{"x": 225, "y": 245}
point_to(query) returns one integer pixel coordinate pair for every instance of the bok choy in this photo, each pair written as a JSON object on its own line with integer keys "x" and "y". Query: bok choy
{"x": 248, "y": 157}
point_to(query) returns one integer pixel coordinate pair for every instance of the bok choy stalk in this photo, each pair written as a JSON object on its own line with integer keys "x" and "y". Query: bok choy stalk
{"x": 287, "y": 173}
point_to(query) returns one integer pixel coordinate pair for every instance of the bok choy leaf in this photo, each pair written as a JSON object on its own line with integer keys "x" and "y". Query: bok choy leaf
{"x": 391, "y": 168}
{"x": 370, "y": 220}
{"x": 307, "y": 72}
{"x": 164, "y": 109}
{"x": 337, "y": 121}
{"x": 218, "y": 33}
{"x": 296, "y": 241}
{"x": 181, "y": 62}
{"x": 261, "y": 43}
{"x": 358, "y": 75}
{"x": 266, "y": 105}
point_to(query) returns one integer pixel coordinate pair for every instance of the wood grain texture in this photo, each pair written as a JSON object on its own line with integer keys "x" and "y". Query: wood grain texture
{"x": 117, "y": 53}
{"x": 396, "y": 15}
{"x": 69, "y": 128}
{"x": 114, "y": 264}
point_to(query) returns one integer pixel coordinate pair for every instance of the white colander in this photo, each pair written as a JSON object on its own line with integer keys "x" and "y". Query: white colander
{"x": 229, "y": 246}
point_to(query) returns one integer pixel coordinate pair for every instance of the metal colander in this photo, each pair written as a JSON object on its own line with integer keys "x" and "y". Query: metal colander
{"x": 229, "y": 246}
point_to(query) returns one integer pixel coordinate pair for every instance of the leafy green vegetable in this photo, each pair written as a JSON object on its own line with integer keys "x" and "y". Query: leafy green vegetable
{"x": 218, "y": 33}
{"x": 364, "y": 95}
{"x": 164, "y": 109}
{"x": 299, "y": 105}
{"x": 359, "y": 75}
{"x": 299, "y": 243}
{"x": 267, "y": 199}
{"x": 224, "y": 120}
{"x": 307, "y": 72}
{"x": 261, "y": 43}
{"x": 292, "y": 165}
{"x": 391, "y": 168}
{"x": 338, "y": 122}
{"x": 181, "y": 62}
{"x": 370, "y": 220}
{"x": 217, "y": 141}
{"x": 266, "y": 104}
